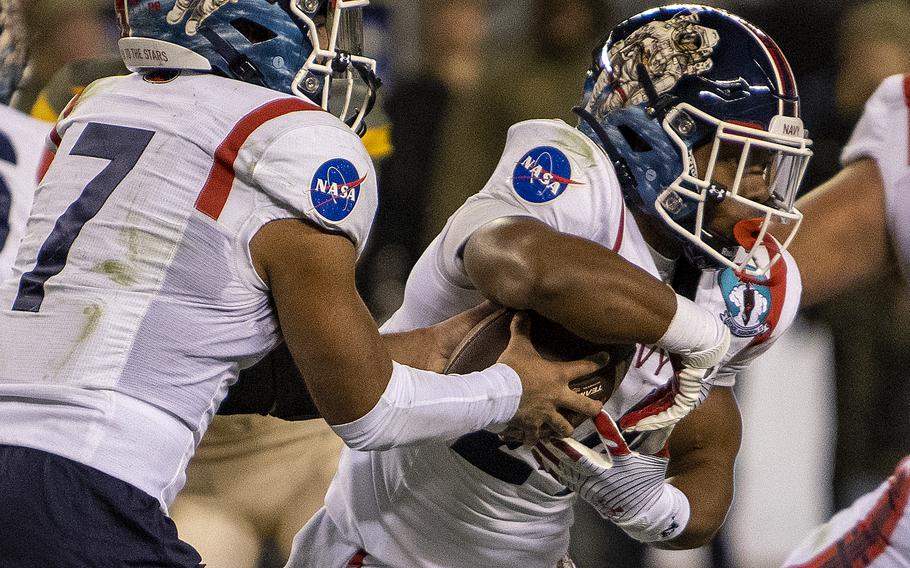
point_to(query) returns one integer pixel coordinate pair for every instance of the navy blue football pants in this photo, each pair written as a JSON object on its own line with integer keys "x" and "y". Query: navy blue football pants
{"x": 57, "y": 513}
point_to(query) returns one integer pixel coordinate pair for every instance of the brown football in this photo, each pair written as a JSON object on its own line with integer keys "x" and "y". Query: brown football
{"x": 488, "y": 339}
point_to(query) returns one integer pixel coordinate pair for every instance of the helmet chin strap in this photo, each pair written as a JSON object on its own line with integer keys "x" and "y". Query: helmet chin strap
{"x": 626, "y": 179}
{"x": 658, "y": 105}
{"x": 239, "y": 64}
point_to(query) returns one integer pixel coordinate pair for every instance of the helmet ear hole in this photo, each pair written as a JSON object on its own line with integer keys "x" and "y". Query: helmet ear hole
{"x": 635, "y": 141}
{"x": 254, "y": 32}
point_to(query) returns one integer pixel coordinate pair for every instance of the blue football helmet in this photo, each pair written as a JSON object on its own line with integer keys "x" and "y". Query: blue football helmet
{"x": 13, "y": 48}
{"x": 308, "y": 48}
{"x": 672, "y": 79}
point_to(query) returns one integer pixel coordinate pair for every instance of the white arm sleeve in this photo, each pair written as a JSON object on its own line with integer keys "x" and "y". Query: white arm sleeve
{"x": 420, "y": 406}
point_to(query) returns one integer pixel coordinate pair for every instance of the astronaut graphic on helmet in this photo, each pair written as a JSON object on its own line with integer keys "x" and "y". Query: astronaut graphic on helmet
{"x": 671, "y": 50}
{"x": 204, "y": 9}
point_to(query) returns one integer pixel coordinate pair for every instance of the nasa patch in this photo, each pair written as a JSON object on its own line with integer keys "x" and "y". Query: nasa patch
{"x": 335, "y": 189}
{"x": 748, "y": 305}
{"x": 542, "y": 175}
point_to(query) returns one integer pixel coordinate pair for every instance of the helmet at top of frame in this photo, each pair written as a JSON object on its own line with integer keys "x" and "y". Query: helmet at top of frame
{"x": 312, "y": 49}
{"x": 673, "y": 79}
{"x": 13, "y": 48}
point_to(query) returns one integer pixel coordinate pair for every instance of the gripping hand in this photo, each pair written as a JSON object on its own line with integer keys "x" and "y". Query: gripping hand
{"x": 623, "y": 485}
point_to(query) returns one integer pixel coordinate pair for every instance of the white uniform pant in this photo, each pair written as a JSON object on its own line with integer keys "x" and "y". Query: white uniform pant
{"x": 320, "y": 544}
{"x": 874, "y": 532}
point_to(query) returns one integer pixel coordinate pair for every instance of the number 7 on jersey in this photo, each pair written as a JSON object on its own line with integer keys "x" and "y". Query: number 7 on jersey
{"x": 123, "y": 146}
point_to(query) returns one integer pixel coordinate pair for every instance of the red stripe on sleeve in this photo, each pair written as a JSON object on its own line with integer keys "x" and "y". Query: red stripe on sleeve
{"x": 47, "y": 157}
{"x": 617, "y": 242}
{"x": 215, "y": 193}
{"x": 870, "y": 536}
{"x": 777, "y": 283}
{"x": 54, "y": 140}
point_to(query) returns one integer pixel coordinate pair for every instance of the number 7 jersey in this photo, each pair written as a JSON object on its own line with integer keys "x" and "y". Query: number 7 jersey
{"x": 134, "y": 303}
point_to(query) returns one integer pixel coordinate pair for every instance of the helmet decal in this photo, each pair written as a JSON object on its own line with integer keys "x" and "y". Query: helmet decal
{"x": 203, "y": 9}
{"x": 669, "y": 50}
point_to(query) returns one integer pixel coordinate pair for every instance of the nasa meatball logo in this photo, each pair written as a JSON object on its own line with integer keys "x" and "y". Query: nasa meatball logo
{"x": 335, "y": 189}
{"x": 748, "y": 305}
{"x": 542, "y": 175}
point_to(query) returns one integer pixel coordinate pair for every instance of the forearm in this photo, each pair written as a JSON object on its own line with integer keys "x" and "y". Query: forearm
{"x": 410, "y": 348}
{"x": 708, "y": 506}
{"x": 589, "y": 289}
{"x": 606, "y": 299}
{"x": 703, "y": 449}
{"x": 845, "y": 217}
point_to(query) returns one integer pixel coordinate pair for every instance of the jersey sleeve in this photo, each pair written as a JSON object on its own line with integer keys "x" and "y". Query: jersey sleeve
{"x": 882, "y": 135}
{"x": 881, "y": 132}
{"x": 319, "y": 172}
{"x": 782, "y": 292}
{"x": 548, "y": 171}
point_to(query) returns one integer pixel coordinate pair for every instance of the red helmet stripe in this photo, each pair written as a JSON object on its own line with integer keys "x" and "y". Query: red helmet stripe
{"x": 783, "y": 73}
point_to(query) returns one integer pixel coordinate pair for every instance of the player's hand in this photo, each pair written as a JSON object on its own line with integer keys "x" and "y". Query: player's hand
{"x": 618, "y": 482}
{"x": 545, "y": 386}
{"x": 447, "y": 334}
{"x": 688, "y": 388}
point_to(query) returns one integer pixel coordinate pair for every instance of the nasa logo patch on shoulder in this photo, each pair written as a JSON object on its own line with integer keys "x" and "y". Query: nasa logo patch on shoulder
{"x": 542, "y": 175}
{"x": 748, "y": 305}
{"x": 335, "y": 189}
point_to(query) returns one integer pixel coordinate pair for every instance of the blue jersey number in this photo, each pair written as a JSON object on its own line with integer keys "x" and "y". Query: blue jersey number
{"x": 123, "y": 147}
{"x": 7, "y": 154}
{"x": 482, "y": 450}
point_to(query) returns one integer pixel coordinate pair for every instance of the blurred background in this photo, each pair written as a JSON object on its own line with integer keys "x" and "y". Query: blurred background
{"x": 825, "y": 412}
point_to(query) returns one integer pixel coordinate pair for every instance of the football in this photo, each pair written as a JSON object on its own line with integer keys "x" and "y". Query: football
{"x": 488, "y": 339}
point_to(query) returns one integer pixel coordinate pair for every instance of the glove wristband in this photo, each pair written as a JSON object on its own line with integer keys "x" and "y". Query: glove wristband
{"x": 694, "y": 332}
{"x": 664, "y": 520}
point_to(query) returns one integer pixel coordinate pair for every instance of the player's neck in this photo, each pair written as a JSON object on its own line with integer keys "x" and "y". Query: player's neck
{"x": 657, "y": 237}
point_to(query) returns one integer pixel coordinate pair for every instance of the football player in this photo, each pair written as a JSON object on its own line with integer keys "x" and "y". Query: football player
{"x": 21, "y": 137}
{"x": 689, "y": 147}
{"x": 238, "y": 494}
{"x": 189, "y": 207}
{"x": 862, "y": 213}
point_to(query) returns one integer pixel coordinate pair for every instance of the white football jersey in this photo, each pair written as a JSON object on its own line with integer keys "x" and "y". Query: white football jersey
{"x": 22, "y": 141}
{"x": 476, "y": 501}
{"x": 882, "y": 135}
{"x": 876, "y": 527}
{"x": 134, "y": 301}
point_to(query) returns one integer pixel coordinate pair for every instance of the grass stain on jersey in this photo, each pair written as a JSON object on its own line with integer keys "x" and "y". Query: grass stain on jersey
{"x": 116, "y": 271}
{"x": 93, "y": 315}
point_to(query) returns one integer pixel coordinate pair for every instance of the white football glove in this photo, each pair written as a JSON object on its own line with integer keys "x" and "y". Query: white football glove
{"x": 688, "y": 388}
{"x": 622, "y": 485}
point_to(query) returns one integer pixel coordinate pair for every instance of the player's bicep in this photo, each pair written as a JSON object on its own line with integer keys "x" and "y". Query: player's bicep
{"x": 326, "y": 325}
{"x": 703, "y": 450}
{"x": 845, "y": 216}
{"x": 502, "y": 258}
